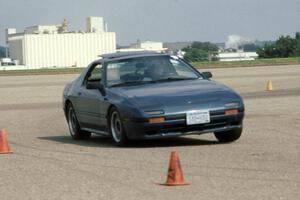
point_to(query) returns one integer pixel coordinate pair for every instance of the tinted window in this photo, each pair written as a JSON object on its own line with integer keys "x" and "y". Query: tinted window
{"x": 152, "y": 68}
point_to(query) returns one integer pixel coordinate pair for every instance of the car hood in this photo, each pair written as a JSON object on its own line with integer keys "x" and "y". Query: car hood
{"x": 175, "y": 95}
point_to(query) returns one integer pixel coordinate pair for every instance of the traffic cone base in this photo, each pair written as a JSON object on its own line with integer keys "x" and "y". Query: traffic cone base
{"x": 7, "y": 152}
{"x": 4, "y": 146}
{"x": 175, "y": 174}
{"x": 174, "y": 184}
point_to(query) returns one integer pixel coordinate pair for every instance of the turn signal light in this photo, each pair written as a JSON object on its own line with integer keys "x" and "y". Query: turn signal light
{"x": 157, "y": 120}
{"x": 231, "y": 112}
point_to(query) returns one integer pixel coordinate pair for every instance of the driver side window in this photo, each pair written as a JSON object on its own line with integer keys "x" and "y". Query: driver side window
{"x": 96, "y": 74}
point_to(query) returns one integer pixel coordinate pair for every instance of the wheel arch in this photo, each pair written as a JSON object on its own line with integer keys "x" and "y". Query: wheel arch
{"x": 66, "y": 106}
{"x": 110, "y": 107}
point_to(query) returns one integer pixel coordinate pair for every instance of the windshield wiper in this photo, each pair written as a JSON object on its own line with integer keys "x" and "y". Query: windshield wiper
{"x": 128, "y": 83}
{"x": 175, "y": 79}
{"x": 131, "y": 83}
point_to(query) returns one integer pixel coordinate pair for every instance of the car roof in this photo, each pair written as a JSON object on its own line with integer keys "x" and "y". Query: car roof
{"x": 130, "y": 54}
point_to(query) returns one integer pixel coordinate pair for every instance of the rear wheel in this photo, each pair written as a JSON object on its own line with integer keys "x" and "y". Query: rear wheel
{"x": 228, "y": 136}
{"x": 74, "y": 128}
{"x": 116, "y": 128}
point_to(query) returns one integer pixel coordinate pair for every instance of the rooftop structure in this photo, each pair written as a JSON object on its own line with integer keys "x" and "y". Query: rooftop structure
{"x": 145, "y": 46}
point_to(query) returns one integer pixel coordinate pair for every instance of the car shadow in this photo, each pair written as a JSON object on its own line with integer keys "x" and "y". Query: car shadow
{"x": 106, "y": 142}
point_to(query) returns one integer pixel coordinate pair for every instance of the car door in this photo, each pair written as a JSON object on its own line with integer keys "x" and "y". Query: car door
{"x": 91, "y": 102}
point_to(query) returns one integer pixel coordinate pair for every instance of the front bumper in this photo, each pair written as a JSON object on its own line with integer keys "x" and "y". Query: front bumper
{"x": 175, "y": 125}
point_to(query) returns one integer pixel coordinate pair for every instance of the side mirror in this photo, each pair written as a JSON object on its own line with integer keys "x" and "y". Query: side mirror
{"x": 207, "y": 75}
{"x": 92, "y": 85}
{"x": 95, "y": 86}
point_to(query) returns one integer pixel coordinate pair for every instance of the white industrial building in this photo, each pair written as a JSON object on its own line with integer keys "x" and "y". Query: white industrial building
{"x": 144, "y": 46}
{"x": 45, "y": 46}
{"x": 151, "y": 45}
{"x": 236, "y": 56}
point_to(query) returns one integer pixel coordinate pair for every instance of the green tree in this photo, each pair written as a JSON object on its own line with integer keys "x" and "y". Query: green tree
{"x": 297, "y": 44}
{"x": 250, "y": 47}
{"x": 199, "y": 51}
{"x": 285, "y": 46}
{"x": 205, "y": 46}
{"x": 195, "y": 55}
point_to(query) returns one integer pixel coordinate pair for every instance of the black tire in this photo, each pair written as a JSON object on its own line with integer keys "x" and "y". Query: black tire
{"x": 74, "y": 128}
{"x": 116, "y": 128}
{"x": 228, "y": 136}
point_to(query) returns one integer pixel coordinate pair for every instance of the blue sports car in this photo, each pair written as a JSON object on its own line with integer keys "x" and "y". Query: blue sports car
{"x": 148, "y": 95}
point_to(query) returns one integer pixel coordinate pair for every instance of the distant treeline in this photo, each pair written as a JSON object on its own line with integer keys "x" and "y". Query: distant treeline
{"x": 285, "y": 46}
{"x": 204, "y": 51}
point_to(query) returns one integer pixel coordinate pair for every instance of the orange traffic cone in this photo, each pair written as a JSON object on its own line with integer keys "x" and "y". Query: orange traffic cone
{"x": 175, "y": 174}
{"x": 4, "y": 146}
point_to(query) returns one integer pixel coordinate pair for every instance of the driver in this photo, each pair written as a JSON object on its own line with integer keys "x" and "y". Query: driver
{"x": 156, "y": 70}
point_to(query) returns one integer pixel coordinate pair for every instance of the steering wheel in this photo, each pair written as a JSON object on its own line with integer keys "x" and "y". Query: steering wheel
{"x": 132, "y": 77}
{"x": 138, "y": 75}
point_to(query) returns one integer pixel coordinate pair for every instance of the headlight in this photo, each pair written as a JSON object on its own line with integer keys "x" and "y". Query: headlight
{"x": 232, "y": 104}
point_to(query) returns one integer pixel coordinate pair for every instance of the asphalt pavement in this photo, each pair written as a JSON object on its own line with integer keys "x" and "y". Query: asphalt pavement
{"x": 47, "y": 164}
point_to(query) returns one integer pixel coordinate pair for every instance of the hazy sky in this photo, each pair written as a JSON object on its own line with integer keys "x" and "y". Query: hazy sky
{"x": 161, "y": 20}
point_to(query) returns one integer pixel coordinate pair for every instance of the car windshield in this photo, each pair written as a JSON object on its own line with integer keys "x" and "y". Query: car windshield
{"x": 149, "y": 69}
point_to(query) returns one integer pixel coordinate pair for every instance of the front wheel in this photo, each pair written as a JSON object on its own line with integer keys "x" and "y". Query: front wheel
{"x": 74, "y": 128}
{"x": 116, "y": 128}
{"x": 228, "y": 136}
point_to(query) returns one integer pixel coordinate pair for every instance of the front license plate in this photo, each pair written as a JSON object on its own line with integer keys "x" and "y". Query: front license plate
{"x": 197, "y": 117}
